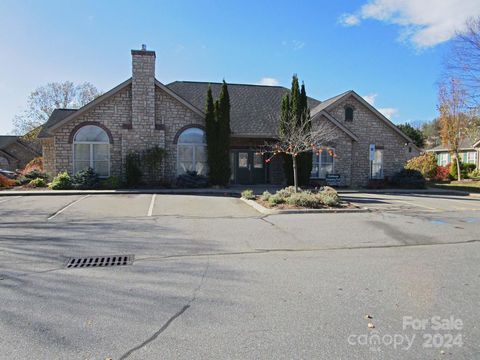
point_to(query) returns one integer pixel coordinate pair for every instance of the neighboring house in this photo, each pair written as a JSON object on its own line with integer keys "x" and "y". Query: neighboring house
{"x": 469, "y": 153}
{"x": 15, "y": 152}
{"x": 142, "y": 112}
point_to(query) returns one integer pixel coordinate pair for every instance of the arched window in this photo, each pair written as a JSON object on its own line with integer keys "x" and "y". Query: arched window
{"x": 192, "y": 152}
{"x": 3, "y": 163}
{"x": 91, "y": 148}
{"x": 348, "y": 113}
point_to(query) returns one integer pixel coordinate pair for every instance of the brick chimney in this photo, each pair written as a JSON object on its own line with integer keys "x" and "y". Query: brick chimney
{"x": 143, "y": 89}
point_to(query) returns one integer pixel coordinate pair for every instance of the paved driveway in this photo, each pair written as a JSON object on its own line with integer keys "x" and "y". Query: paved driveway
{"x": 212, "y": 278}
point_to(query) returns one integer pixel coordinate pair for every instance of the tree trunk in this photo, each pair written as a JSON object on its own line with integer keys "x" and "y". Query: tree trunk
{"x": 295, "y": 180}
{"x": 459, "y": 172}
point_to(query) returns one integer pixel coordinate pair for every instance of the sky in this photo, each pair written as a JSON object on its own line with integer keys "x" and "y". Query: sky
{"x": 389, "y": 51}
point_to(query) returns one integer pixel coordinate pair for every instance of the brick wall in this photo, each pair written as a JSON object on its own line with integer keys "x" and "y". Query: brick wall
{"x": 173, "y": 116}
{"x": 370, "y": 129}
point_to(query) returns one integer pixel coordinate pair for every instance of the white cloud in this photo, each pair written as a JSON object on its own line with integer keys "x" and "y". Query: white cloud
{"x": 388, "y": 112}
{"x": 424, "y": 23}
{"x": 297, "y": 45}
{"x": 370, "y": 98}
{"x": 294, "y": 44}
{"x": 268, "y": 81}
{"x": 349, "y": 20}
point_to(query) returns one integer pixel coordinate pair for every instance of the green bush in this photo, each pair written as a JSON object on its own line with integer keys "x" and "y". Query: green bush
{"x": 85, "y": 179}
{"x": 408, "y": 179}
{"x": 248, "y": 194}
{"x": 465, "y": 169}
{"x": 426, "y": 164}
{"x": 265, "y": 196}
{"x": 110, "y": 183}
{"x": 286, "y": 192}
{"x": 133, "y": 174}
{"x": 452, "y": 170}
{"x": 276, "y": 199}
{"x": 32, "y": 175}
{"x": 38, "y": 182}
{"x": 61, "y": 182}
{"x": 328, "y": 198}
{"x": 474, "y": 174}
{"x": 305, "y": 199}
{"x": 191, "y": 179}
{"x": 468, "y": 168}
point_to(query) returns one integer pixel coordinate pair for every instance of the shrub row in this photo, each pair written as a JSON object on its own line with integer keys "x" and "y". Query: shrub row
{"x": 85, "y": 180}
{"x": 326, "y": 196}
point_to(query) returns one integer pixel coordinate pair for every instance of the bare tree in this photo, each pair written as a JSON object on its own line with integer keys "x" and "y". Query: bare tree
{"x": 302, "y": 138}
{"x": 43, "y": 100}
{"x": 453, "y": 119}
{"x": 464, "y": 60}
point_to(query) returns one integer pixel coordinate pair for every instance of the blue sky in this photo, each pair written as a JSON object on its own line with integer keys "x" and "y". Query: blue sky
{"x": 390, "y": 51}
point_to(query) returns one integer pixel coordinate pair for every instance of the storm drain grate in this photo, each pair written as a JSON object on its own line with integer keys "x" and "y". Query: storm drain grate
{"x": 99, "y": 261}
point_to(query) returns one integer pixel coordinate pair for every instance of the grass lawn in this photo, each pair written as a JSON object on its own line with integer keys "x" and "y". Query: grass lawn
{"x": 471, "y": 186}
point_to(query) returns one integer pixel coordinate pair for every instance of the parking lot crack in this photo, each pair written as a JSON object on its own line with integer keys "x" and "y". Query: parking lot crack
{"x": 171, "y": 319}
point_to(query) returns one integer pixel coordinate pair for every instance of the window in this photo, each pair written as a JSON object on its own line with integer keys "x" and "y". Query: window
{"x": 442, "y": 159}
{"x": 348, "y": 113}
{"x": 377, "y": 165}
{"x": 91, "y": 148}
{"x": 3, "y": 163}
{"x": 323, "y": 163}
{"x": 242, "y": 159}
{"x": 472, "y": 157}
{"x": 192, "y": 152}
{"x": 257, "y": 160}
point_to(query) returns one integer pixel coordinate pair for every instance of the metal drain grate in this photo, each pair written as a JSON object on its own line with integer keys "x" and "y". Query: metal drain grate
{"x": 99, "y": 261}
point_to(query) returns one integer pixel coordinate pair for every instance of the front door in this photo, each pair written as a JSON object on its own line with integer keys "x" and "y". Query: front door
{"x": 249, "y": 167}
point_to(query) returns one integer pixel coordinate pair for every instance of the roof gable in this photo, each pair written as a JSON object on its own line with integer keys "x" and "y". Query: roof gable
{"x": 62, "y": 116}
{"x": 336, "y": 99}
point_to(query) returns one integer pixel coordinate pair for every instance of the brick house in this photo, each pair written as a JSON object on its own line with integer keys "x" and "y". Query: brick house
{"x": 16, "y": 152}
{"x": 142, "y": 112}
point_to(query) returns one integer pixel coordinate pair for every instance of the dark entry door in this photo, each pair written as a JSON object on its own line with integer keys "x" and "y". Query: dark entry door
{"x": 249, "y": 167}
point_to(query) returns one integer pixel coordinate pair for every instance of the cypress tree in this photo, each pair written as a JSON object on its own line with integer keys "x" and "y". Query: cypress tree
{"x": 295, "y": 112}
{"x": 211, "y": 135}
{"x": 304, "y": 159}
{"x": 285, "y": 123}
{"x": 223, "y": 123}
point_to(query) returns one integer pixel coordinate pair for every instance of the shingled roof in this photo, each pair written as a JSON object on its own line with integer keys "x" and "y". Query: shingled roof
{"x": 6, "y": 140}
{"x": 254, "y": 109}
{"x": 57, "y": 116}
{"x": 465, "y": 144}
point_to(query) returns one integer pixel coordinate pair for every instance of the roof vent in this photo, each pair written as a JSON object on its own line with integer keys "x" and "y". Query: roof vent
{"x": 144, "y": 47}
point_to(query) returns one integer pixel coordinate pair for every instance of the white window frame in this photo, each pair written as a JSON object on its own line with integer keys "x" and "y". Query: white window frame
{"x": 443, "y": 159}
{"x": 90, "y": 143}
{"x": 472, "y": 157}
{"x": 319, "y": 162}
{"x": 381, "y": 175}
{"x": 193, "y": 146}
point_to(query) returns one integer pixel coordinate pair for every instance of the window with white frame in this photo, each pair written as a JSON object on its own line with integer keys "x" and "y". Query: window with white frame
{"x": 323, "y": 163}
{"x": 91, "y": 148}
{"x": 443, "y": 159}
{"x": 377, "y": 165}
{"x": 472, "y": 157}
{"x": 192, "y": 152}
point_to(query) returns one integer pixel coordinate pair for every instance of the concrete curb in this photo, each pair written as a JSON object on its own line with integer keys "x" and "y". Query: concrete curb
{"x": 407, "y": 192}
{"x": 266, "y": 211}
{"x": 203, "y": 192}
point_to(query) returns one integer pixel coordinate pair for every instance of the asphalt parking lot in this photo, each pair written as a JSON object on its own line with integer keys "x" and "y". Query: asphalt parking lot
{"x": 214, "y": 279}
